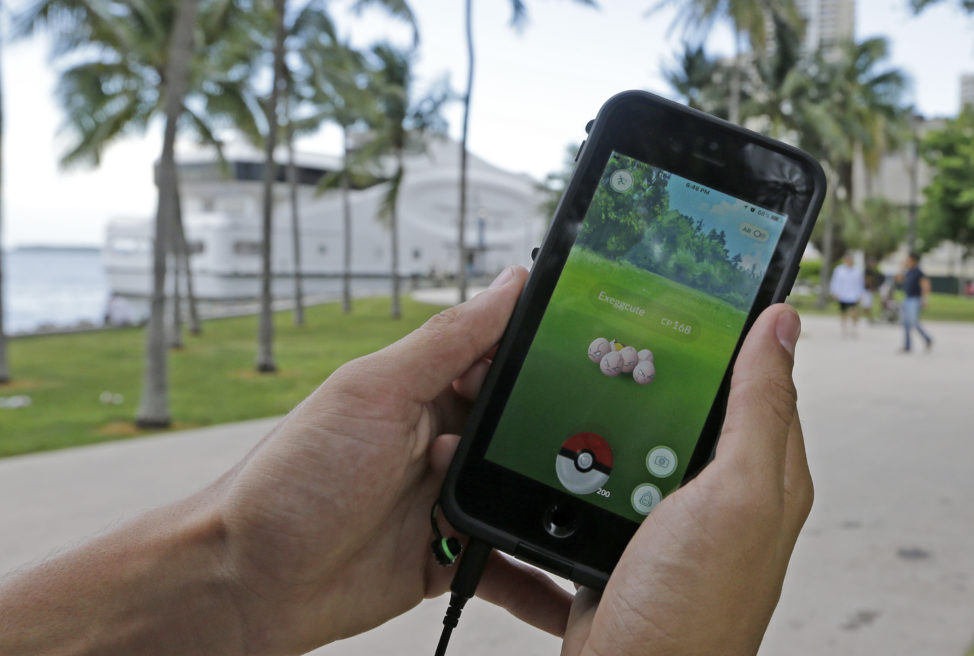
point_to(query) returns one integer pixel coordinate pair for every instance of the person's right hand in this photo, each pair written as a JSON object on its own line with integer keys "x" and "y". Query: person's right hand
{"x": 704, "y": 571}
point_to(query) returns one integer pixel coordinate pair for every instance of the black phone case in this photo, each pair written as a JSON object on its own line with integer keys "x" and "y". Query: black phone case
{"x": 545, "y": 267}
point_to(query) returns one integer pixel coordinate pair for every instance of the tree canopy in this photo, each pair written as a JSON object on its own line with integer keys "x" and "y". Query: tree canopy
{"x": 640, "y": 227}
{"x": 948, "y": 212}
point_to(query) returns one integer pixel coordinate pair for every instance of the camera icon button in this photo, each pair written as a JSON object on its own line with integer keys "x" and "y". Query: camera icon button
{"x": 661, "y": 461}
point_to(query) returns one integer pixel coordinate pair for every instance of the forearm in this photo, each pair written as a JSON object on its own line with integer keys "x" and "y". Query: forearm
{"x": 157, "y": 585}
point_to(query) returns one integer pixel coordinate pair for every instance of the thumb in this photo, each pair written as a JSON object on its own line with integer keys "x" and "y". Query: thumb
{"x": 435, "y": 354}
{"x": 762, "y": 402}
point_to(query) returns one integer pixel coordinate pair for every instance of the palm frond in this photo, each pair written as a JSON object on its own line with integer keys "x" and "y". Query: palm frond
{"x": 398, "y": 9}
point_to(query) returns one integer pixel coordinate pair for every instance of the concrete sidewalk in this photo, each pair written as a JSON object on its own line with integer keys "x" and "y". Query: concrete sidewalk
{"x": 885, "y": 565}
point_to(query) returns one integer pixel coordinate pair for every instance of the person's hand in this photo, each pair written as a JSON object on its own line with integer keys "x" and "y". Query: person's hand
{"x": 327, "y": 519}
{"x": 704, "y": 571}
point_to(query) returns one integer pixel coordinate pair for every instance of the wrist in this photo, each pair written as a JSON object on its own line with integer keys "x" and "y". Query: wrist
{"x": 156, "y": 585}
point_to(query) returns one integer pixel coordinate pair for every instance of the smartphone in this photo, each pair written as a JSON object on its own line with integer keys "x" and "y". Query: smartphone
{"x": 608, "y": 389}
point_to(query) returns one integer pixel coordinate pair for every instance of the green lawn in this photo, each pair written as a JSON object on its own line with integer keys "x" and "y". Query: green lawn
{"x": 212, "y": 379}
{"x": 560, "y": 392}
{"x": 942, "y": 307}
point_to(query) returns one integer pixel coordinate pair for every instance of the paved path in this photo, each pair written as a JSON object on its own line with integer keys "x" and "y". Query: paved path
{"x": 885, "y": 565}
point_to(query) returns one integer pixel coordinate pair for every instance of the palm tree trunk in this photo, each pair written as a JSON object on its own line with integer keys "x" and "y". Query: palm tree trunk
{"x": 176, "y": 320}
{"x": 394, "y": 231}
{"x": 461, "y": 244}
{"x": 154, "y": 407}
{"x": 828, "y": 237}
{"x": 195, "y": 327}
{"x": 4, "y": 370}
{"x": 346, "y": 228}
{"x": 265, "y": 332}
{"x": 734, "y": 102}
{"x": 292, "y": 182}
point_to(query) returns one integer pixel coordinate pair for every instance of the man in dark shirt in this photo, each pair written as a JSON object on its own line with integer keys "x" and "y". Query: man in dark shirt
{"x": 916, "y": 285}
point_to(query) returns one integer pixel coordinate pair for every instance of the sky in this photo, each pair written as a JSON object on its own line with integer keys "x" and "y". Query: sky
{"x": 534, "y": 90}
{"x": 727, "y": 214}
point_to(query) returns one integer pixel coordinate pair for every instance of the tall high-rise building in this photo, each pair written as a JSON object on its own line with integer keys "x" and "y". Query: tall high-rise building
{"x": 828, "y": 21}
{"x": 967, "y": 90}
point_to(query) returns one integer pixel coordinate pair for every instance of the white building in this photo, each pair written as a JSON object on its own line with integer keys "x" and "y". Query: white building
{"x": 222, "y": 218}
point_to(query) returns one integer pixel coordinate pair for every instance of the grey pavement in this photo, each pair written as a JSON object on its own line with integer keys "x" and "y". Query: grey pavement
{"x": 885, "y": 564}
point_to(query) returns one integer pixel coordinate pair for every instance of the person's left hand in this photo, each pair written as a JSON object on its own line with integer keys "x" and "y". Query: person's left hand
{"x": 327, "y": 519}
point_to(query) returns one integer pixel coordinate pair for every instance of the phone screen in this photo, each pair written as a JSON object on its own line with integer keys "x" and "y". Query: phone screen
{"x": 618, "y": 382}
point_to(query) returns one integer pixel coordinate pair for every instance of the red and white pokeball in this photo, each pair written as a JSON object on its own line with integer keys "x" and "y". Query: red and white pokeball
{"x": 584, "y": 463}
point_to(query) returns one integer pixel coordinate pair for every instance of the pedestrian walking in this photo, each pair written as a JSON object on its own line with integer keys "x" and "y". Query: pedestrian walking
{"x": 916, "y": 286}
{"x": 847, "y": 286}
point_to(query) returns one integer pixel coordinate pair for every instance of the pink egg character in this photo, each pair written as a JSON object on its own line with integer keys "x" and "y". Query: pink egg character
{"x": 598, "y": 349}
{"x": 630, "y": 357}
{"x": 644, "y": 373}
{"x": 611, "y": 364}
{"x": 645, "y": 354}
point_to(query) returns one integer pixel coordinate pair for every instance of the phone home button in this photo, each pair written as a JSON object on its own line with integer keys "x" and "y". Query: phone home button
{"x": 559, "y": 520}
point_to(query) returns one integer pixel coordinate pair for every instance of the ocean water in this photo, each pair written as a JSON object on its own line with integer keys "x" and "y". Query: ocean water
{"x": 53, "y": 287}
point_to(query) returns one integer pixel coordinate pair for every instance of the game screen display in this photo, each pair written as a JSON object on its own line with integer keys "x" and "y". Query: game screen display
{"x": 620, "y": 377}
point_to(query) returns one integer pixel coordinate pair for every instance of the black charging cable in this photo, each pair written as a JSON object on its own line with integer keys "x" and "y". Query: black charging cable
{"x": 465, "y": 581}
{"x": 462, "y": 588}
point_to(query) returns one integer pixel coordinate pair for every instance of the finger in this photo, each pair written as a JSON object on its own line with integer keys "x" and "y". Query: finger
{"x": 441, "y": 453}
{"x": 799, "y": 491}
{"x": 580, "y": 620}
{"x": 761, "y": 405}
{"x": 468, "y": 385}
{"x": 433, "y": 356}
{"x": 526, "y": 593}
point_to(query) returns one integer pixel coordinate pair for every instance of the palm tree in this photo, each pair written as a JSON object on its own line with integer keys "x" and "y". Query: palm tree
{"x": 404, "y": 125}
{"x": 265, "y": 332}
{"x": 314, "y": 37}
{"x": 337, "y": 77}
{"x": 697, "y": 78}
{"x": 856, "y": 104}
{"x": 838, "y": 104}
{"x": 245, "y": 109}
{"x": 4, "y": 370}
{"x": 292, "y": 183}
{"x": 182, "y": 250}
{"x": 920, "y": 5}
{"x": 127, "y": 65}
{"x": 518, "y": 16}
{"x": 771, "y": 95}
{"x": 312, "y": 24}
{"x": 351, "y": 105}
{"x": 154, "y": 408}
{"x": 467, "y": 95}
{"x": 748, "y": 19}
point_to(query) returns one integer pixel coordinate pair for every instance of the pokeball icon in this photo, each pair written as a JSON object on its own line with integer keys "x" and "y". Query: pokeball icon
{"x": 584, "y": 463}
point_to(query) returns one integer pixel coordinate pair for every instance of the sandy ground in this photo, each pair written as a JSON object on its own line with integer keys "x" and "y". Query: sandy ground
{"x": 885, "y": 564}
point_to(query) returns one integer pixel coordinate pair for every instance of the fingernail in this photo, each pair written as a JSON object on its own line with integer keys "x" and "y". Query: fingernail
{"x": 788, "y": 328}
{"x": 502, "y": 278}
